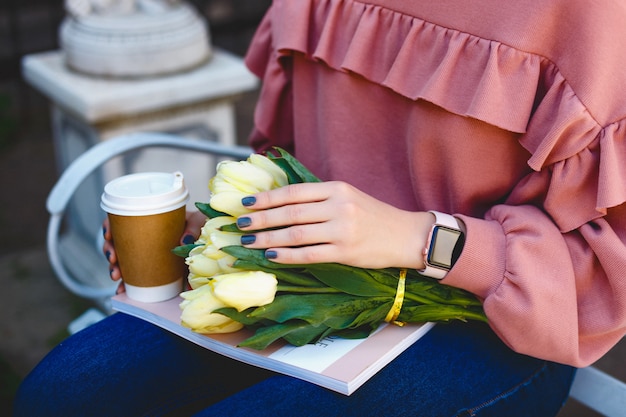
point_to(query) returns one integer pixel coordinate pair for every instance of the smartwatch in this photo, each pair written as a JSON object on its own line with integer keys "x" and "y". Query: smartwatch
{"x": 443, "y": 247}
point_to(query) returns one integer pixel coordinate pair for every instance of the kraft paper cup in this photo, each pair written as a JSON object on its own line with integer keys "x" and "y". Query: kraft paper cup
{"x": 146, "y": 213}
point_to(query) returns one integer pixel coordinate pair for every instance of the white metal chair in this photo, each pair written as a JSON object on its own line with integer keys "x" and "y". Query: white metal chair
{"x": 79, "y": 274}
{"x": 600, "y": 392}
{"x": 78, "y": 263}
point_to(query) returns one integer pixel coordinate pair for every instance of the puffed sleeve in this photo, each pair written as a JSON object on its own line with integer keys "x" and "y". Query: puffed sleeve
{"x": 549, "y": 263}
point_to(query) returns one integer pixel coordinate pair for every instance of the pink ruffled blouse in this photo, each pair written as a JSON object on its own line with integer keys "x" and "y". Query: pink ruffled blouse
{"x": 510, "y": 115}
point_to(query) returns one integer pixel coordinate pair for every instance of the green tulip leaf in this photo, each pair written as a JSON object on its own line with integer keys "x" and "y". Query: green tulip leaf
{"x": 232, "y": 228}
{"x": 256, "y": 256}
{"x": 305, "y": 334}
{"x": 265, "y": 336}
{"x": 317, "y": 309}
{"x": 355, "y": 281}
{"x": 242, "y": 317}
{"x": 249, "y": 259}
{"x": 295, "y": 170}
{"x": 438, "y": 313}
{"x": 358, "y": 333}
{"x": 209, "y": 211}
{"x": 372, "y": 317}
{"x": 183, "y": 250}
{"x": 292, "y": 176}
{"x": 286, "y": 276}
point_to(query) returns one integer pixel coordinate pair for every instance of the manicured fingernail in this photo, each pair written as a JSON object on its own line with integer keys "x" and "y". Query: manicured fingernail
{"x": 244, "y": 222}
{"x": 271, "y": 254}
{"x": 188, "y": 239}
{"x": 110, "y": 272}
{"x": 104, "y": 231}
{"x": 248, "y": 201}
{"x": 108, "y": 255}
{"x": 248, "y": 239}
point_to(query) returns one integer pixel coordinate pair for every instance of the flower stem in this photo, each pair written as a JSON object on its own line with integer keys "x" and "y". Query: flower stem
{"x": 417, "y": 298}
{"x": 310, "y": 290}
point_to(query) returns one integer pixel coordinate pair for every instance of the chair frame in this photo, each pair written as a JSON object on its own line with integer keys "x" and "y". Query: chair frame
{"x": 600, "y": 392}
{"x": 592, "y": 387}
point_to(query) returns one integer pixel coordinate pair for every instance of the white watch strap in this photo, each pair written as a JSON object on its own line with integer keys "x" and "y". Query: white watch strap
{"x": 436, "y": 273}
{"x": 444, "y": 219}
{"x": 441, "y": 219}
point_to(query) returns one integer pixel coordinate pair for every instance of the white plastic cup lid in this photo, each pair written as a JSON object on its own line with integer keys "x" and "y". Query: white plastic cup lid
{"x": 144, "y": 194}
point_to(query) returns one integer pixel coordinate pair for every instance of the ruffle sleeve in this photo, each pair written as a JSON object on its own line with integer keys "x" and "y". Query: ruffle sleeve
{"x": 575, "y": 155}
{"x": 581, "y": 171}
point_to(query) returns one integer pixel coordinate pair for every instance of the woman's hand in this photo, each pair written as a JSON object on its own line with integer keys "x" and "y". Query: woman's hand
{"x": 195, "y": 220}
{"x": 334, "y": 222}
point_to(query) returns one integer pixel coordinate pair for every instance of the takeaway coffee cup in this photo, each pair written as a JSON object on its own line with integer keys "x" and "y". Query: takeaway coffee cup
{"x": 146, "y": 213}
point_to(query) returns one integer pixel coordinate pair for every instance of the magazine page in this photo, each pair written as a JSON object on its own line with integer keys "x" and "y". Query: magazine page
{"x": 338, "y": 364}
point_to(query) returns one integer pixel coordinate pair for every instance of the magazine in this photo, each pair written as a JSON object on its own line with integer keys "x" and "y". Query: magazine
{"x": 342, "y": 365}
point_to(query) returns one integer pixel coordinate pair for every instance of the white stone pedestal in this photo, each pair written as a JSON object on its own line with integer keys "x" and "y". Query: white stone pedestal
{"x": 155, "y": 38}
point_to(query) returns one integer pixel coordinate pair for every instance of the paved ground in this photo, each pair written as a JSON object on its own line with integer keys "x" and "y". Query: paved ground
{"x": 34, "y": 307}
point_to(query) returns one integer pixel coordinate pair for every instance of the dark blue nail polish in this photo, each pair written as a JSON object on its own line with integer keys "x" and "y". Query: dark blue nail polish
{"x": 271, "y": 254}
{"x": 248, "y": 239}
{"x": 188, "y": 239}
{"x": 244, "y": 222}
{"x": 104, "y": 231}
{"x": 108, "y": 255}
{"x": 248, "y": 201}
{"x": 110, "y": 272}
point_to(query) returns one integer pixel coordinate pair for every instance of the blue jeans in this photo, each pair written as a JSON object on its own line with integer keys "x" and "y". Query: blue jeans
{"x": 123, "y": 366}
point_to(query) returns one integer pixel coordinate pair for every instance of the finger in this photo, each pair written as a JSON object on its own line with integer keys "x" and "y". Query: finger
{"x": 107, "y": 247}
{"x": 115, "y": 273}
{"x": 295, "y": 214}
{"x": 120, "y": 288}
{"x": 106, "y": 229}
{"x": 313, "y": 254}
{"x": 195, "y": 221}
{"x": 109, "y": 252}
{"x": 291, "y": 194}
{"x": 309, "y": 234}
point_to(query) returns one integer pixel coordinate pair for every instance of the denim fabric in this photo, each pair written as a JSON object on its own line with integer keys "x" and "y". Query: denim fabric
{"x": 123, "y": 366}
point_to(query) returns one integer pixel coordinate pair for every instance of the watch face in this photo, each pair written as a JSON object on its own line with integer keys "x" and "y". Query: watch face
{"x": 441, "y": 247}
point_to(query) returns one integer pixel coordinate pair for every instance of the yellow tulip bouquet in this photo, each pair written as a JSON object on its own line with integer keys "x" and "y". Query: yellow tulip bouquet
{"x": 234, "y": 287}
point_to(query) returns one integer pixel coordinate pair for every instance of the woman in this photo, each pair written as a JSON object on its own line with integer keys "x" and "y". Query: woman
{"x": 502, "y": 117}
